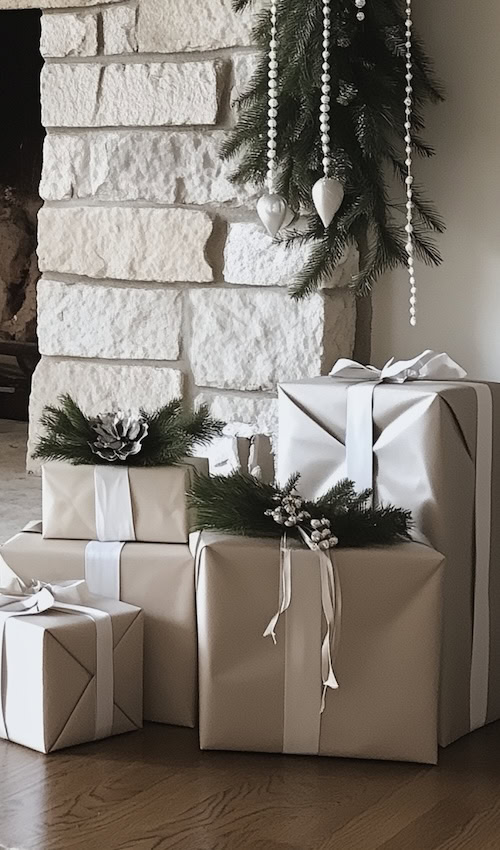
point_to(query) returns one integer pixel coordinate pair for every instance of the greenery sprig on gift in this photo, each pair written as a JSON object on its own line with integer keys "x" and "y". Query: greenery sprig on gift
{"x": 160, "y": 438}
{"x": 241, "y": 504}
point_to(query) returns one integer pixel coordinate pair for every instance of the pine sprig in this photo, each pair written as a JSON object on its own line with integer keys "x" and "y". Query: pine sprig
{"x": 172, "y": 434}
{"x": 366, "y": 134}
{"x": 237, "y": 504}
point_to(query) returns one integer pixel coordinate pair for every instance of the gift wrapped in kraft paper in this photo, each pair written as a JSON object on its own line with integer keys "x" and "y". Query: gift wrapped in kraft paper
{"x": 70, "y": 664}
{"x": 156, "y": 577}
{"x": 108, "y": 503}
{"x": 266, "y": 697}
{"x": 427, "y": 439}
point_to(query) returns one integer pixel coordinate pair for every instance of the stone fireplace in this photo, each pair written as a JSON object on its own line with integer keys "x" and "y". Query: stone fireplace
{"x": 157, "y": 278}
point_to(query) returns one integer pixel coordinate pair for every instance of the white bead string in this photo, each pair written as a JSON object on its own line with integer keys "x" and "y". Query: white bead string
{"x": 272, "y": 103}
{"x": 410, "y": 244}
{"x": 324, "y": 118}
{"x": 360, "y": 4}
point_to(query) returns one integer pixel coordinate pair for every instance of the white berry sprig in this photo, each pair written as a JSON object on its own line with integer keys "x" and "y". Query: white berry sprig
{"x": 289, "y": 512}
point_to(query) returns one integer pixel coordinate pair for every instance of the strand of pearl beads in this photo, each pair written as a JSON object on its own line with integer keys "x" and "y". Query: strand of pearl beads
{"x": 410, "y": 244}
{"x": 325, "y": 91}
{"x": 360, "y": 5}
{"x": 272, "y": 102}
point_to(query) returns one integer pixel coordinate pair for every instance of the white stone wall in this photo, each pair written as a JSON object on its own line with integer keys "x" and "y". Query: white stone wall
{"x": 157, "y": 276}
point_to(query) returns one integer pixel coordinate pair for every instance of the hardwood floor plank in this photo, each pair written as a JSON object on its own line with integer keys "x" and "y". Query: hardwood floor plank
{"x": 155, "y": 790}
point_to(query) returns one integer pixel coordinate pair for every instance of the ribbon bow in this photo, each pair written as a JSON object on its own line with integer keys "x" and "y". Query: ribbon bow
{"x": 18, "y": 599}
{"x": 37, "y": 597}
{"x": 428, "y": 366}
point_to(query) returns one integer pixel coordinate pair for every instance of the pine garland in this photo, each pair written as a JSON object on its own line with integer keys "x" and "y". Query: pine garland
{"x": 171, "y": 434}
{"x": 367, "y": 134}
{"x": 237, "y": 504}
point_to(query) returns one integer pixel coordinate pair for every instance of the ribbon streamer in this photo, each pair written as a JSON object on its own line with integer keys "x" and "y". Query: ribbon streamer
{"x": 331, "y": 603}
{"x": 285, "y": 596}
{"x": 19, "y": 600}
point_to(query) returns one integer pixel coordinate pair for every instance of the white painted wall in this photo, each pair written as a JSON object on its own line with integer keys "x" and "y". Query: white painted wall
{"x": 459, "y": 303}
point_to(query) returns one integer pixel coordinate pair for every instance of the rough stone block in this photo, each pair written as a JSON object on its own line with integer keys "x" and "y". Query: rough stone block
{"x": 252, "y": 257}
{"x": 173, "y": 26}
{"x": 123, "y": 322}
{"x": 69, "y": 35}
{"x": 244, "y": 415}
{"x": 157, "y": 166}
{"x": 119, "y": 30}
{"x": 244, "y": 67}
{"x": 165, "y": 245}
{"x": 49, "y": 4}
{"x": 122, "y": 95}
{"x": 98, "y": 387}
{"x": 251, "y": 339}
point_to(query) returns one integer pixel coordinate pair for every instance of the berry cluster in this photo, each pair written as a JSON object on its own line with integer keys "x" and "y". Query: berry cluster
{"x": 290, "y": 513}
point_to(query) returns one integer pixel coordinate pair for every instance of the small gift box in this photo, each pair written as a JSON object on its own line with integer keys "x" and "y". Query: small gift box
{"x": 111, "y": 503}
{"x": 156, "y": 577}
{"x": 255, "y": 695}
{"x": 71, "y": 665}
{"x": 426, "y": 439}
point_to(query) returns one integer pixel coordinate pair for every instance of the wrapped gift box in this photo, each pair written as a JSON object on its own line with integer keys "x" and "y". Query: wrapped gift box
{"x": 55, "y": 694}
{"x": 423, "y": 449}
{"x": 156, "y": 577}
{"x": 112, "y": 502}
{"x": 255, "y": 695}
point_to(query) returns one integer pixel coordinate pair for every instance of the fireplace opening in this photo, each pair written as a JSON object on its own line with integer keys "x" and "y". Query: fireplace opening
{"x": 21, "y": 142}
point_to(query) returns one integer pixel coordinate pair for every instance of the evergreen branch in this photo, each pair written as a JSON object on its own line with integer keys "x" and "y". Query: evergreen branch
{"x": 168, "y": 435}
{"x": 366, "y": 133}
{"x": 237, "y": 504}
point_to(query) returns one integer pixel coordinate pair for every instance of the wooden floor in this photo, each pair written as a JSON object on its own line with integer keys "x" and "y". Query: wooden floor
{"x": 154, "y": 790}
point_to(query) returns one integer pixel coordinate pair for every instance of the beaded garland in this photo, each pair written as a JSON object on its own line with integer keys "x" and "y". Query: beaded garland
{"x": 272, "y": 102}
{"x": 410, "y": 245}
{"x": 410, "y": 242}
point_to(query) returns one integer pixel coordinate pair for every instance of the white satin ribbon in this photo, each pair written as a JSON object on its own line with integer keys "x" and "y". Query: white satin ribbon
{"x": 430, "y": 366}
{"x": 102, "y": 568}
{"x": 19, "y": 600}
{"x": 285, "y": 594}
{"x": 114, "y": 519}
{"x": 330, "y": 604}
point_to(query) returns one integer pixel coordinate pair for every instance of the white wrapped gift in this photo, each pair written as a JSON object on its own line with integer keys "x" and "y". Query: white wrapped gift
{"x": 70, "y": 665}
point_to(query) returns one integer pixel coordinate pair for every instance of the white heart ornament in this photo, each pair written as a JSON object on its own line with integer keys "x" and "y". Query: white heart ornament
{"x": 272, "y": 211}
{"x": 327, "y": 194}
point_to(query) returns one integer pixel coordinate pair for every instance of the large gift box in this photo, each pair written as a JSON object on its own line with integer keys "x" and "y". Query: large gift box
{"x": 255, "y": 695}
{"x": 156, "y": 577}
{"x": 70, "y": 664}
{"x": 429, "y": 441}
{"x": 113, "y": 502}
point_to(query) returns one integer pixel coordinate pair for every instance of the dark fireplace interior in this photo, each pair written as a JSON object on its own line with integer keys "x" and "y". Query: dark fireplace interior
{"x": 21, "y": 142}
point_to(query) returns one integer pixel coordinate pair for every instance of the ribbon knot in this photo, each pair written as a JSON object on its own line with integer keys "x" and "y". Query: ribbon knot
{"x": 428, "y": 366}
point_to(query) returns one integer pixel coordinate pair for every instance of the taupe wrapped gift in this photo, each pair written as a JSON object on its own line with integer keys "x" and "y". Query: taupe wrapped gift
{"x": 255, "y": 695}
{"x": 159, "y": 579}
{"x": 72, "y": 666}
{"x": 429, "y": 441}
{"x": 112, "y": 502}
